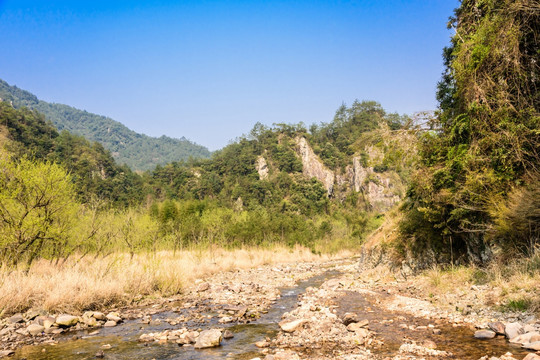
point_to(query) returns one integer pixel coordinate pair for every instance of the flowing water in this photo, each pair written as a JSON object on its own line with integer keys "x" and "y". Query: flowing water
{"x": 125, "y": 345}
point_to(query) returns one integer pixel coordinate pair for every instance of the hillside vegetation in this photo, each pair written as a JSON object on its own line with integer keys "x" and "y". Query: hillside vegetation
{"x": 476, "y": 193}
{"x": 270, "y": 187}
{"x": 138, "y": 151}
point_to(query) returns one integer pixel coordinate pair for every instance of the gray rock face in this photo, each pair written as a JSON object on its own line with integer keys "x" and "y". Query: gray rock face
{"x": 67, "y": 320}
{"x": 262, "y": 168}
{"x": 313, "y": 166}
{"x": 513, "y": 329}
{"x": 208, "y": 338}
{"x": 484, "y": 334}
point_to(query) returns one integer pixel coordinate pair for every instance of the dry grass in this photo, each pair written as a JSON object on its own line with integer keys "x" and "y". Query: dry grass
{"x": 118, "y": 280}
{"x": 512, "y": 285}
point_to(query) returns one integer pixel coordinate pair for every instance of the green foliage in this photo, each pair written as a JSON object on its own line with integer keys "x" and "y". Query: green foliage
{"x": 37, "y": 209}
{"x": 139, "y": 152}
{"x": 92, "y": 168}
{"x": 485, "y": 141}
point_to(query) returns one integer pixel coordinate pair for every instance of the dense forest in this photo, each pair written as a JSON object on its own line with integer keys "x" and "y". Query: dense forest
{"x": 138, "y": 151}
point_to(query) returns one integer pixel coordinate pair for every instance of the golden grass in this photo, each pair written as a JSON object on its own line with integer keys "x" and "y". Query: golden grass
{"x": 119, "y": 280}
{"x": 513, "y": 285}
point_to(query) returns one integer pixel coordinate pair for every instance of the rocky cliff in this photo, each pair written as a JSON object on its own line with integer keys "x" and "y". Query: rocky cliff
{"x": 381, "y": 190}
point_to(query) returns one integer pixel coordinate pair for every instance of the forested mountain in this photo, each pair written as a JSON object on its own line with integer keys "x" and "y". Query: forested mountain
{"x": 95, "y": 174}
{"x": 138, "y": 151}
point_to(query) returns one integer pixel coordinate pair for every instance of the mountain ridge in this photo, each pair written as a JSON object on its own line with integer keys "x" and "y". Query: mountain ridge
{"x": 138, "y": 151}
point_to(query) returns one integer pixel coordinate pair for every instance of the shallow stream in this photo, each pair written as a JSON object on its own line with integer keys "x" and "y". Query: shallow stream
{"x": 125, "y": 345}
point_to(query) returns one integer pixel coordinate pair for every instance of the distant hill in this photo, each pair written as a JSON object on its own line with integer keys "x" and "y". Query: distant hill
{"x": 138, "y": 151}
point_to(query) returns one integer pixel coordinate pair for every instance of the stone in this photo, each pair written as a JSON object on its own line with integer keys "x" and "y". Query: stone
{"x": 67, "y": 320}
{"x": 5, "y": 353}
{"x": 48, "y": 322}
{"x": 497, "y": 326}
{"x": 208, "y": 338}
{"x": 262, "y": 344}
{"x": 291, "y": 326}
{"x": 533, "y": 346}
{"x": 110, "y": 323}
{"x": 526, "y": 338}
{"x": 146, "y": 338}
{"x": 227, "y": 334}
{"x": 203, "y": 287}
{"x": 484, "y": 334}
{"x": 100, "y": 354}
{"x": 437, "y": 331}
{"x": 90, "y": 321}
{"x": 512, "y": 330}
{"x": 98, "y": 315}
{"x": 531, "y": 356}
{"x": 35, "y": 329}
{"x": 356, "y": 326}
{"x": 15, "y": 319}
{"x": 349, "y": 318}
{"x": 114, "y": 316}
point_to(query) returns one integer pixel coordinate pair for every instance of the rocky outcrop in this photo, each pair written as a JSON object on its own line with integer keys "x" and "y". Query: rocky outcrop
{"x": 313, "y": 167}
{"x": 262, "y": 168}
{"x": 379, "y": 189}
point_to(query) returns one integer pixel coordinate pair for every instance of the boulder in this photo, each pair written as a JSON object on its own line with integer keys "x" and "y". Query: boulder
{"x": 531, "y": 356}
{"x": 6, "y": 353}
{"x": 203, "y": 287}
{"x": 512, "y": 330}
{"x": 114, "y": 316}
{"x": 48, "y": 322}
{"x": 98, "y": 315}
{"x": 484, "y": 334}
{"x": 15, "y": 319}
{"x": 208, "y": 338}
{"x": 497, "y": 326}
{"x": 110, "y": 323}
{"x": 35, "y": 329}
{"x": 533, "y": 346}
{"x": 291, "y": 326}
{"x": 349, "y": 318}
{"x": 227, "y": 334}
{"x": 67, "y": 320}
{"x": 526, "y": 338}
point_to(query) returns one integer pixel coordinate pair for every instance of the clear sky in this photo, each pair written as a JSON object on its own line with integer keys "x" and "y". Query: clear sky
{"x": 209, "y": 70}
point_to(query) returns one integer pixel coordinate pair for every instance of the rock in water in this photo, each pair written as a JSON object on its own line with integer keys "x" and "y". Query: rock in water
{"x": 484, "y": 334}
{"x": 512, "y": 330}
{"x": 498, "y": 327}
{"x": 533, "y": 346}
{"x": 208, "y": 338}
{"x": 67, "y": 320}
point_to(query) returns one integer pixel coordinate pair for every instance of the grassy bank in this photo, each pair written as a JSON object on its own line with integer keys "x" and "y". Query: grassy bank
{"x": 119, "y": 279}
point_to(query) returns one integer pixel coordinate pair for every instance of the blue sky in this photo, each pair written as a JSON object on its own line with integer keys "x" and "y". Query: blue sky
{"x": 209, "y": 70}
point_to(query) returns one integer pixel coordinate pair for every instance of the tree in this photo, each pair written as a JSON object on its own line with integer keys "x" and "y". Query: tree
{"x": 37, "y": 209}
